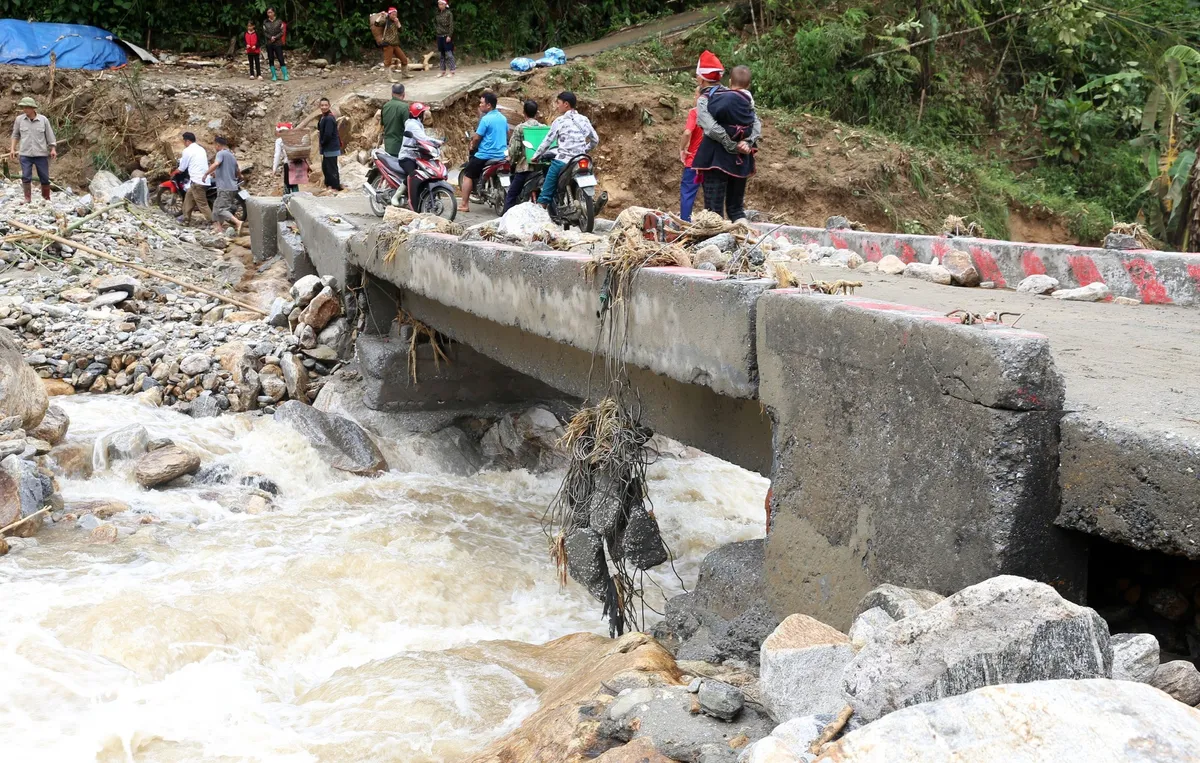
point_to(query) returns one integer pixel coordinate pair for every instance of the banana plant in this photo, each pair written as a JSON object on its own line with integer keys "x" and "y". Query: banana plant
{"x": 1169, "y": 164}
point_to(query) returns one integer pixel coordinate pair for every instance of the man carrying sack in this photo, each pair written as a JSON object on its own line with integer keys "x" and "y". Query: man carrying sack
{"x": 37, "y": 147}
{"x": 387, "y": 36}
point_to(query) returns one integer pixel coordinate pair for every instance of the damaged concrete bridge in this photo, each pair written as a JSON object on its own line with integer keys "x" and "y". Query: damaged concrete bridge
{"x": 902, "y": 445}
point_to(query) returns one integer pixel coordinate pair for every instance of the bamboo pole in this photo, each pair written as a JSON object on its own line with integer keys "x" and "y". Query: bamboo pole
{"x": 138, "y": 268}
{"x": 73, "y": 226}
{"x": 23, "y": 520}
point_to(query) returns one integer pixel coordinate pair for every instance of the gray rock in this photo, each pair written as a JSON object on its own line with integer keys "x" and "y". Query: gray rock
{"x": 1065, "y": 720}
{"x": 336, "y": 336}
{"x": 159, "y": 467}
{"x": 898, "y": 602}
{"x": 196, "y": 364}
{"x": 842, "y": 258}
{"x": 1121, "y": 241}
{"x": 1037, "y": 284}
{"x": 1135, "y": 656}
{"x": 788, "y": 742}
{"x": 307, "y": 336}
{"x": 305, "y": 289}
{"x": 710, "y": 254}
{"x": 869, "y": 626}
{"x": 800, "y": 668}
{"x": 726, "y": 615}
{"x": 109, "y": 298}
{"x": 295, "y": 376}
{"x": 23, "y": 487}
{"x": 1093, "y": 292}
{"x": 585, "y": 561}
{"x": 694, "y": 685}
{"x": 278, "y": 314}
{"x": 932, "y": 273}
{"x": 725, "y": 242}
{"x": 205, "y": 407}
{"x": 125, "y": 443}
{"x": 1004, "y": 630}
{"x": 342, "y": 443}
{"x": 116, "y": 282}
{"x": 892, "y": 265}
{"x": 720, "y": 700}
{"x": 1178, "y": 678}
{"x": 666, "y": 716}
{"x": 88, "y": 522}
{"x": 53, "y": 427}
{"x": 837, "y": 222}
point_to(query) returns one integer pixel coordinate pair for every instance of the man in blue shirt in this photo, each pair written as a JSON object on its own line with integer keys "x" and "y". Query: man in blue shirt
{"x": 489, "y": 144}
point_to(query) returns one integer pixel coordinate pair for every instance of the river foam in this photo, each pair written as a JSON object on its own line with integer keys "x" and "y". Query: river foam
{"x": 338, "y": 627}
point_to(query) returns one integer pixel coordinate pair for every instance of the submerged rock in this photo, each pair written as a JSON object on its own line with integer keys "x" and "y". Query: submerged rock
{"x": 1064, "y": 720}
{"x": 1004, "y": 630}
{"x": 342, "y": 443}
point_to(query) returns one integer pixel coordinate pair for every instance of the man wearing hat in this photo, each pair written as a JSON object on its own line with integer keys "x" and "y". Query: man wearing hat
{"x": 37, "y": 147}
{"x": 389, "y": 40}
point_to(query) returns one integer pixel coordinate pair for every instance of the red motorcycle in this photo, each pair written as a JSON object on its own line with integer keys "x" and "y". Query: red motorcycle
{"x": 426, "y": 187}
{"x": 492, "y": 186}
{"x": 169, "y": 196}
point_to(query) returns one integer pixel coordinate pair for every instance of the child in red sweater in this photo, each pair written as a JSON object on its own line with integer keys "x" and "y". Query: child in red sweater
{"x": 253, "y": 52}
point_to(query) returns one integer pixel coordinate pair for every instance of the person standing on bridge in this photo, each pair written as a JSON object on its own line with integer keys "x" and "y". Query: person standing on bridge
{"x": 690, "y": 184}
{"x": 275, "y": 30}
{"x": 330, "y": 146}
{"x": 725, "y": 158}
{"x": 392, "y": 117}
{"x": 444, "y": 26}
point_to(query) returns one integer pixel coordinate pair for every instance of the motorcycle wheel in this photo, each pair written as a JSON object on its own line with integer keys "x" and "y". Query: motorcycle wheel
{"x": 587, "y": 209}
{"x": 497, "y": 192}
{"x": 440, "y": 201}
{"x": 378, "y": 200}
{"x": 169, "y": 202}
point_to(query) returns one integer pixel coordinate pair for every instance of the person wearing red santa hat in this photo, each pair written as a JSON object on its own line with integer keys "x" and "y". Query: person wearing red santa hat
{"x": 709, "y": 69}
{"x": 725, "y": 158}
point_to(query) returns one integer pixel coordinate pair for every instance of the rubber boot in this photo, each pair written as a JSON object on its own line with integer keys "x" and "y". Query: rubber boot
{"x": 46, "y": 192}
{"x": 396, "y": 197}
{"x": 285, "y": 75}
{"x": 28, "y": 189}
{"x": 404, "y": 72}
{"x": 274, "y": 77}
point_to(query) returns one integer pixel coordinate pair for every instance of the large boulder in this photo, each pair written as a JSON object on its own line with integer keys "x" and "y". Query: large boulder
{"x": 160, "y": 466}
{"x": 342, "y": 443}
{"x": 53, "y": 427}
{"x": 962, "y": 268}
{"x": 21, "y": 390}
{"x": 726, "y": 616}
{"x": 1090, "y": 720}
{"x": 800, "y": 668}
{"x": 321, "y": 310}
{"x": 1004, "y": 630}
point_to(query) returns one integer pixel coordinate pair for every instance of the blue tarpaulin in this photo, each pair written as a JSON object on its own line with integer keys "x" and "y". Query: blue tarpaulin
{"x": 75, "y": 46}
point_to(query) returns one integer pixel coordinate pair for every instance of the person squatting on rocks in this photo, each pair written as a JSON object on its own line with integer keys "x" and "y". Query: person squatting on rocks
{"x": 689, "y": 184}
{"x": 389, "y": 40}
{"x": 725, "y": 158}
{"x": 295, "y": 171}
{"x": 574, "y": 135}
{"x": 516, "y": 155}
{"x": 330, "y": 146}
{"x": 276, "y": 32}
{"x": 392, "y": 117}
{"x": 414, "y": 130}
{"x": 34, "y": 144}
{"x": 227, "y": 174}
{"x": 444, "y": 27}
{"x": 253, "y": 52}
{"x": 194, "y": 161}
{"x": 489, "y": 144}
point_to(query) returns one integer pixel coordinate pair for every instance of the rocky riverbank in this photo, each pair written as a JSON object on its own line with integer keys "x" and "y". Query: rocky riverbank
{"x": 1002, "y": 670}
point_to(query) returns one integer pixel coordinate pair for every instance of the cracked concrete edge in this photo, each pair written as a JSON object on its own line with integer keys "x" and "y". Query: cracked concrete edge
{"x": 686, "y": 325}
{"x": 1131, "y": 486}
{"x": 1149, "y": 276}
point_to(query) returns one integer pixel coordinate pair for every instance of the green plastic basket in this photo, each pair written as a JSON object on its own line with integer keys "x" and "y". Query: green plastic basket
{"x": 533, "y": 137}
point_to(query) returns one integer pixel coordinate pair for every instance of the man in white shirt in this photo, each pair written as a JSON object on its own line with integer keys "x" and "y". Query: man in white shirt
{"x": 194, "y": 161}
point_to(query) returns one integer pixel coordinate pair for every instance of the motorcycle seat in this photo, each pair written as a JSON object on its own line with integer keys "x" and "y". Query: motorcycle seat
{"x": 494, "y": 162}
{"x": 391, "y": 162}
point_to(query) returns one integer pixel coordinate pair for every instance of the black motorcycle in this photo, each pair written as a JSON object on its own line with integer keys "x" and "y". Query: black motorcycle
{"x": 575, "y": 200}
{"x": 169, "y": 197}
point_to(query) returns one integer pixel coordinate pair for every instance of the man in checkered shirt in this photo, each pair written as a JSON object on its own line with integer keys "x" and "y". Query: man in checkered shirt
{"x": 575, "y": 136}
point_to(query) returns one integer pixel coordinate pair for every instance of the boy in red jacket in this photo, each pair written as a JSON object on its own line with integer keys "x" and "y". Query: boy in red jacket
{"x": 253, "y": 52}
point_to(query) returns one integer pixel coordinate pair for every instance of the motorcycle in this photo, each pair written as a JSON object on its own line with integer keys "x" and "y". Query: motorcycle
{"x": 169, "y": 196}
{"x": 575, "y": 199}
{"x": 427, "y": 190}
{"x": 492, "y": 186}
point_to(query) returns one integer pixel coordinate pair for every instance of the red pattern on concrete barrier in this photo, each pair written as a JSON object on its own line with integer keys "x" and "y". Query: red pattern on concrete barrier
{"x": 872, "y": 252}
{"x": 987, "y": 267}
{"x": 907, "y": 254}
{"x": 1032, "y": 264}
{"x": 1194, "y": 274}
{"x": 1145, "y": 278}
{"x": 1084, "y": 270}
{"x": 838, "y": 241}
